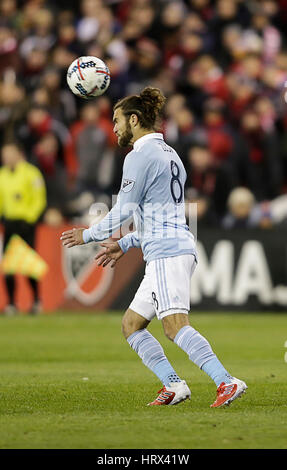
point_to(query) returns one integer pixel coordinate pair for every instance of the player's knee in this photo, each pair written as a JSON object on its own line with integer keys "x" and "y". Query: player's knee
{"x": 173, "y": 323}
{"x": 126, "y": 327}
{"x": 169, "y": 332}
{"x": 132, "y": 322}
{"x": 169, "y": 328}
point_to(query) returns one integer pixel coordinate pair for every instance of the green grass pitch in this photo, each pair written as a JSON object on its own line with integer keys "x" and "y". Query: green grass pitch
{"x": 72, "y": 382}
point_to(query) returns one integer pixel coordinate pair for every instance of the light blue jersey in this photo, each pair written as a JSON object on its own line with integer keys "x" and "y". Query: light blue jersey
{"x": 152, "y": 191}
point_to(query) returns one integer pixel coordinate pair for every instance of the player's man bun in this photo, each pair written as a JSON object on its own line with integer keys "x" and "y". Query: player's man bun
{"x": 153, "y": 101}
{"x": 148, "y": 106}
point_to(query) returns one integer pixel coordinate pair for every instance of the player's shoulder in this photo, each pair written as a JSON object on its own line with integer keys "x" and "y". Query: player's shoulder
{"x": 157, "y": 147}
{"x": 157, "y": 142}
{"x": 140, "y": 159}
{"x": 154, "y": 154}
{"x": 154, "y": 148}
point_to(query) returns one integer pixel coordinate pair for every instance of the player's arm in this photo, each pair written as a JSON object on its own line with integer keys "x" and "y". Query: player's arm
{"x": 134, "y": 183}
{"x": 113, "y": 251}
{"x": 131, "y": 240}
{"x": 98, "y": 232}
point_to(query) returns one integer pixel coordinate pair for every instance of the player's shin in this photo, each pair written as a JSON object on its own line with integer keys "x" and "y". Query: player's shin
{"x": 200, "y": 352}
{"x": 152, "y": 355}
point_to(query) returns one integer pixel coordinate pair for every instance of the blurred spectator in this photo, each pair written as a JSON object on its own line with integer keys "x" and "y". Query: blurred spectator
{"x": 145, "y": 63}
{"x": 67, "y": 37}
{"x": 260, "y": 166}
{"x": 190, "y": 85}
{"x": 205, "y": 214}
{"x": 61, "y": 103}
{"x": 233, "y": 47}
{"x": 174, "y": 105}
{"x": 22, "y": 202}
{"x": 203, "y": 8}
{"x": 278, "y": 210}
{"x": 47, "y": 155}
{"x": 227, "y": 12}
{"x": 243, "y": 212}
{"x": 40, "y": 97}
{"x": 179, "y": 126}
{"x": 88, "y": 25}
{"x": 261, "y": 27}
{"x": 207, "y": 179}
{"x": 250, "y": 68}
{"x": 9, "y": 58}
{"x": 33, "y": 65}
{"x": 213, "y": 81}
{"x": 9, "y": 12}
{"x": 218, "y": 131}
{"x": 242, "y": 92}
{"x": 91, "y": 152}
{"x": 45, "y": 140}
{"x": 266, "y": 113}
{"x": 42, "y": 37}
{"x": 61, "y": 58}
{"x": 39, "y": 122}
{"x": 14, "y": 106}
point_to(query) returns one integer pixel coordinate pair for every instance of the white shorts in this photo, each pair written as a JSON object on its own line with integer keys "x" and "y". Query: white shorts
{"x": 165, "y": 288}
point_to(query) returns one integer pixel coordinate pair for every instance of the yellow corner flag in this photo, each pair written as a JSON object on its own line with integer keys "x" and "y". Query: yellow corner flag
{"x": 20, "y": 258}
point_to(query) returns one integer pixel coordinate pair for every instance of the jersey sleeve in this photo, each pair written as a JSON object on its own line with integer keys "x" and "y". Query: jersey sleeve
{"x": 135, "y": 182}
{"x": 131, "y": 240}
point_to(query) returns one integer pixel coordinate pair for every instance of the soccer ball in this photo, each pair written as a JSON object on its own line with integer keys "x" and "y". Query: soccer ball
{"x": 88, "y": 77}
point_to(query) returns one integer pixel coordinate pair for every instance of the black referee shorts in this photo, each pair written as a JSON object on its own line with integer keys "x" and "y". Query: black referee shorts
{"x": 21, "y": 228}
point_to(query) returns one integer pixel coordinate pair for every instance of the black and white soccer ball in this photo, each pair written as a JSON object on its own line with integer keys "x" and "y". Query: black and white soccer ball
{"x": 88, "y": 77}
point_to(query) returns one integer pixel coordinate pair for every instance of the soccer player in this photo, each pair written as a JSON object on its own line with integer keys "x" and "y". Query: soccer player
{"x": 153, "y": 191}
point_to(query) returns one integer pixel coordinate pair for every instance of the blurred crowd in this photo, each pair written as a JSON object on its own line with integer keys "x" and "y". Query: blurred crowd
{"x": 222, "y": 65}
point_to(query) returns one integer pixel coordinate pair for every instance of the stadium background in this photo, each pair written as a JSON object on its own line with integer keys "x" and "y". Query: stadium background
{"x": 222, "y": 65}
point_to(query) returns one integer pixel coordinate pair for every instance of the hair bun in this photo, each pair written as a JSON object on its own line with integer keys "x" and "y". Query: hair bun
{"x": 153, "y": 99}
{"x": 147, "y": 106}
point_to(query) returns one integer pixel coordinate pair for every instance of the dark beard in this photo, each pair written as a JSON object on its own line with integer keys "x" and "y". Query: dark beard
{"x": 126, "y": 137}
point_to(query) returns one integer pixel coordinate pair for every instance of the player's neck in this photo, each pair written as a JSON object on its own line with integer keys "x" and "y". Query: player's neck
{"x": 140, "y": 133}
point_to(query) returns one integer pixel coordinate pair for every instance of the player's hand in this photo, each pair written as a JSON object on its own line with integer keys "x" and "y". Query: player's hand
{"x": 72, "y": 237}
{"x": 110, "y": 254}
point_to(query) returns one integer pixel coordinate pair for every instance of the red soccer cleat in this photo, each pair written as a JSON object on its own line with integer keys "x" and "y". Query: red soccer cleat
{"x": 173, "y": 394}
{"x": 226, "y": 393}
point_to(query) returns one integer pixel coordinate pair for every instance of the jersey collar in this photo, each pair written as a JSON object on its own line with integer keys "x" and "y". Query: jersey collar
{"x": 141, "y": 141}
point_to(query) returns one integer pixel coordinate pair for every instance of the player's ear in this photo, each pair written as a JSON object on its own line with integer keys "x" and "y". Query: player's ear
{"x": 134, "y": 119}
